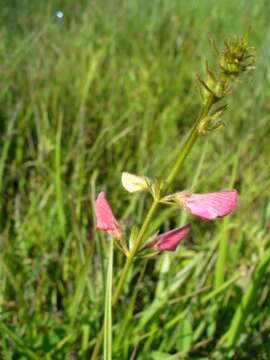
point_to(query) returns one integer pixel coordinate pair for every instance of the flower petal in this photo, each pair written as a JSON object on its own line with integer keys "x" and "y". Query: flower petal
{"x": 105, "y": 219}
{"x": 170, "y": 240}
{"x": 133, "y": 183}
{"x": 212, "y": 205}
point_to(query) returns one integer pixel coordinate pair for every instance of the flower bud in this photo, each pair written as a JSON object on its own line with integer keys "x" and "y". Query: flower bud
{"x": 169, "y": 240}
{"x": 105, "y": 218}
{"x": 133, "y": 183}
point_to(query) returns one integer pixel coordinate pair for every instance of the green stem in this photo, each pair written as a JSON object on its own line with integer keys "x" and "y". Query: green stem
{"x": 224, "y": 239}
{"x": 58, "y": 179}
{"x": 128, "y": 314}
{"x": 222, "y": 255}
{"x": 108, "y": 307}
{"x": 129, "y": 261}
{"x": 238, "y": 322}
{"x": 134, "y": 250}
{"x": 184, "y": 151}
{"x": 188, "y": 144}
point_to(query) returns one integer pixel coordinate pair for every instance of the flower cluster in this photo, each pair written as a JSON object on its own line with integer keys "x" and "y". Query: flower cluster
{"x": 208, "y": 206}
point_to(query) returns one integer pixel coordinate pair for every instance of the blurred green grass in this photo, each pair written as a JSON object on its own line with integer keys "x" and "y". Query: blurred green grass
{"x": 109, "y": 87}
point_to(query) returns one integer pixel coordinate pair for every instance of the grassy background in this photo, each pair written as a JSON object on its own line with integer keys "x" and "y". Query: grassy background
{"x": 110, "y": 87}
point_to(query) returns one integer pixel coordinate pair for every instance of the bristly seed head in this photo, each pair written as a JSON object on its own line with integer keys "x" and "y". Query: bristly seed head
{"x": 237, "y": 58}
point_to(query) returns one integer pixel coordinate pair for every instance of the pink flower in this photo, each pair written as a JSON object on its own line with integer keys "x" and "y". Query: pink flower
{"x": 169, "y": 240}
{"x": 105, "y": 219}
{"x": 208, "y": 206}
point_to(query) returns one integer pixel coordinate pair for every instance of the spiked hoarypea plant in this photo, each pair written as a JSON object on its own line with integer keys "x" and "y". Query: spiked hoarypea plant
{"x": 233, "y": 61}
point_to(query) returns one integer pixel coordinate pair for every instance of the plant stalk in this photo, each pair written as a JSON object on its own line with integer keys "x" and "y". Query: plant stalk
{"x": 108, "y": 307}
{"x": 188, "y": 144}
{"x": 184, "y": 151}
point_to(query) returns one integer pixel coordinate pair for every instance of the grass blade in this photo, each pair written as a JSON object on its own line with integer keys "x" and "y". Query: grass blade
{"x": 238, "y": 322}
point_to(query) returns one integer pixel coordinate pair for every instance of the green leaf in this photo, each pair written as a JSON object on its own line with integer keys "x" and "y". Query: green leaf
{"x": 159, "y": 355}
